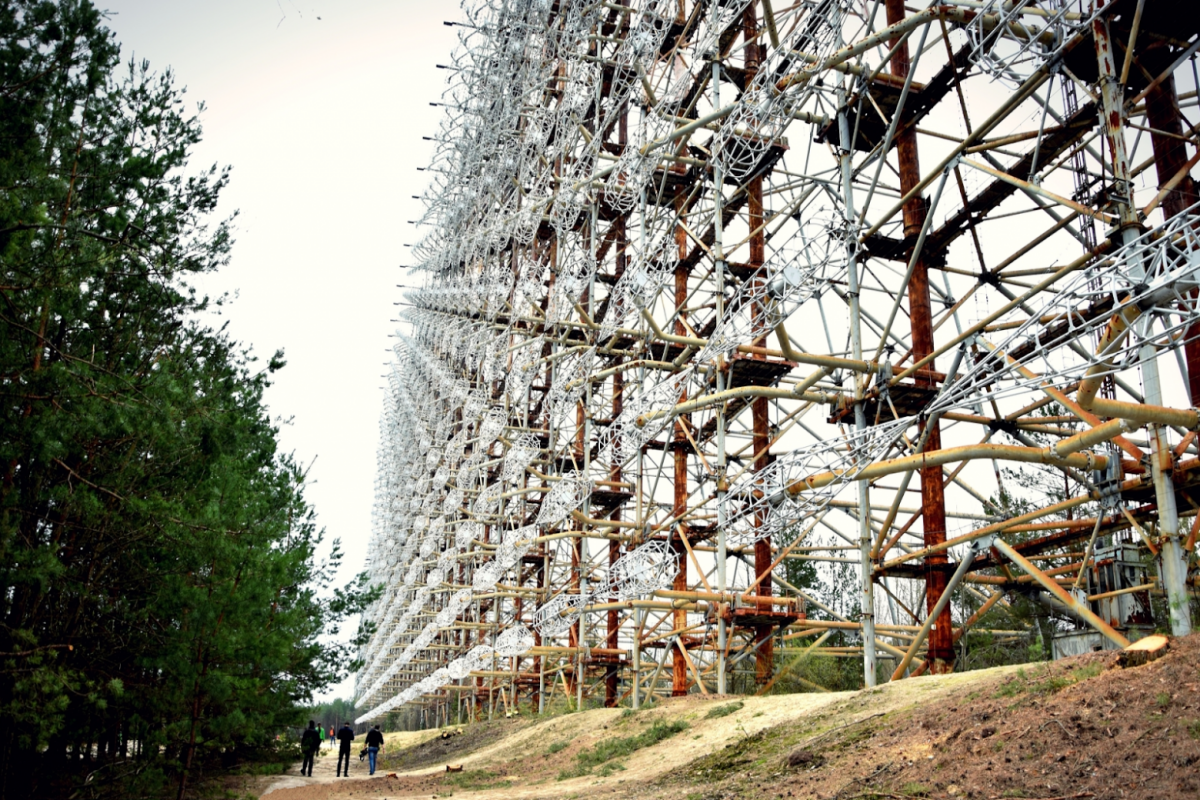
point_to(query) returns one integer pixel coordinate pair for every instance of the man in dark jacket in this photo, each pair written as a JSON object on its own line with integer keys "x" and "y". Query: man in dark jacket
{"x": 309, "y": 743}
{"x": 345, "y": 737}
{"x": 374, "y": 742}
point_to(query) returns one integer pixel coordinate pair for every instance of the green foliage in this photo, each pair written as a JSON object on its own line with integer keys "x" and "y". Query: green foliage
{"x": 1046, "y": 680}
{"x": 725, "y": 710}
{"x": 333, "y": 714}
{"x": 158, "y": 608}
{"x": 557, "y": 747}
{"x": 609, "y": 749}
{"x": 798, "y": 673}
{"x": 474, "y": 779}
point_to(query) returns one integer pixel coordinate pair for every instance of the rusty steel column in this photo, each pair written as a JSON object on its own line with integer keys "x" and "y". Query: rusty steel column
{"x": 1170, "y": 158}
{"x": 679, "y": 445}
{"x": 576, "y": 557}
{"x": 764, "y": 654}
{"x": 940, "y": 654}
{"x": 612, "y": 617}
{"x": 536, "y": 699}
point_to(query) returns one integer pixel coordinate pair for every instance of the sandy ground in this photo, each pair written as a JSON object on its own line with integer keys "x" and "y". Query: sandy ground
{"x": 325, "y": 769}
{"x": 1038, "y": 731}
{"x": 522, "y": 760}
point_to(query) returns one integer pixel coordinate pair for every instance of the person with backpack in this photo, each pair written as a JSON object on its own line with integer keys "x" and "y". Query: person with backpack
{"x": 345, "y": 737}
{"x": 309, "y": 743}
{"x": 374, "y": 742}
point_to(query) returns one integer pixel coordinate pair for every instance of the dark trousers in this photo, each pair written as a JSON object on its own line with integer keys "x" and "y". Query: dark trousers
{"x": 306, "y": 767}
{"x": 344, "y": 753}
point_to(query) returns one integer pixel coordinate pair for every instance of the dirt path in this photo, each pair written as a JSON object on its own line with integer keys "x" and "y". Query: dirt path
{"x": 325, "y": 778}
{"x": 1079, "y": 727}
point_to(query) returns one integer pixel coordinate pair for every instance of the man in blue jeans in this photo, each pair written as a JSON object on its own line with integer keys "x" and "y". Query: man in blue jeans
{"x": 374, "y": 742}
{"x": 345, "y": 737}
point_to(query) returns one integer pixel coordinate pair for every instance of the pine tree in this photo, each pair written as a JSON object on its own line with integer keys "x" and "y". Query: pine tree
{"x": 158, "y": 579}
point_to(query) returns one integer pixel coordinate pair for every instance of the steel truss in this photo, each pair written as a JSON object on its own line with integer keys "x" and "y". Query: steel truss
{"x": 712, "y": 285}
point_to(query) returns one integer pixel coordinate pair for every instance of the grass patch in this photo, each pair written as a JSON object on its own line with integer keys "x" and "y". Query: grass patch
{"x": 1045, "y": 682}
{"x": 852, "y": 736}
{"x": 611, "y": 749}
{"x": 1193, "y": 729}
{"x": 557, "y": 747}
{"x": 477, "y": 779}
{"x": 264, "y": 768}
{"x": 725, "y": 710}
{"x": 1163, "y": 699}
{"x": 914, "y": 790}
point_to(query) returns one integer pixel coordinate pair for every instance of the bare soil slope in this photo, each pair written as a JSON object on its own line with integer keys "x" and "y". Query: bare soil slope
{"x": 1078, "y": 728}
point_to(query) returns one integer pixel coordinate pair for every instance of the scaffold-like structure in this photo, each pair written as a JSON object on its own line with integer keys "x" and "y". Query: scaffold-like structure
{"x": 714, "y": 286}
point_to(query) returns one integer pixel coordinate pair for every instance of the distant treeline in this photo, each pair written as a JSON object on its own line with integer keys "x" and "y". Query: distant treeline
{"x": 158, "y": 579}
{"x": 331, "y": 714}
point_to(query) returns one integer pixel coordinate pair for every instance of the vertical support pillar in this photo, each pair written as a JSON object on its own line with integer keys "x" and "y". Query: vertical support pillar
{"x": 764, "y": 654}
{"x": 1172, "y": 559}
{"x": 573, "y": 634}
{"x": 940, "y": 652}
{"x": 636, "y": 683}
{"x": 612, "y": 621}
{"x": 679, "y": 454}
{"x": 722, "y": 481}
{"x": 1170, "y": 158}
{"x": 867, "y": 595}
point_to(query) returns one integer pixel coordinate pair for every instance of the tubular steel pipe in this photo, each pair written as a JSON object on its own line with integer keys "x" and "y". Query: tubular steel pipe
{"x": 764, "y": 658}
{"x": 1003, "y": 452}
{"x": 943, "y": 602}
{"x": 1145, "y": 587}
{"x": 1068, "y": 600}
{"x": 1173, "y": 562}
{"x": 687, "y": 181}
{"x": 965, "y": 628}
{"x": 916, "y": 225}
{"x": 1070, "y": 404}
{"x": 727, "y": 597}
{"x": 1110, "y": 342}
{"x": 717, "y": 398}
{"x": 897, "y": 27}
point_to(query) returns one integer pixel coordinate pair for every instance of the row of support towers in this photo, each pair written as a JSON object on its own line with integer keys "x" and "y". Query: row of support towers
{"x": 878, "y": 321}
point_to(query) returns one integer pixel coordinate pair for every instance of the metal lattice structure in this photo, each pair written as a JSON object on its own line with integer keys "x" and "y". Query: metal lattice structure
{"x": 714, "y": 285}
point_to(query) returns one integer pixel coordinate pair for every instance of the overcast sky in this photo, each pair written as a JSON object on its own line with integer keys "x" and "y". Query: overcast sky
{"x": 320, "y": 108}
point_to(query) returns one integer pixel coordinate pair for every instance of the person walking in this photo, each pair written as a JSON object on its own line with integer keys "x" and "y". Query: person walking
{"x": 332, "y": 737}
{"x": 345, "y": 737}
{"x": 309, "y": 743}
{"x": 321, "y": 730}
{"x": 374, "y": 742}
